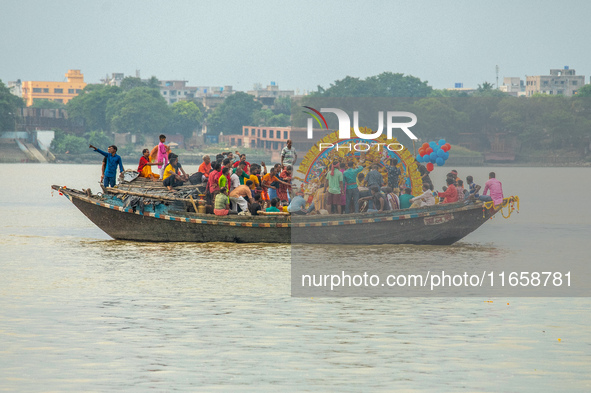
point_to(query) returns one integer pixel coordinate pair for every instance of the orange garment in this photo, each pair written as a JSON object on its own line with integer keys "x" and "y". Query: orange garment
{"x": 205, "y": 169}
{"x": 268, "y": 179}
{"x": 153, "y": 153}
{"x": 147, "y": 172}
{"x": 265, "y": 195}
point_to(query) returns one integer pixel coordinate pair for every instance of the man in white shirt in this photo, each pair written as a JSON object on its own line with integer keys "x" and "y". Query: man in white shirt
{"x": 425, "y": 199}
{"x": 235, "y": 179}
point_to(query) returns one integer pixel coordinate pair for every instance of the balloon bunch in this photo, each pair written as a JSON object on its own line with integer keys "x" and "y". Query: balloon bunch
{"x": 434, "y": 153}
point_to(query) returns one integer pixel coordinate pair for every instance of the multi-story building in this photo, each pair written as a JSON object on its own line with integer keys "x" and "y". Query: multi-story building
{"x": 560, "y": 82}
{"x": 513, "y": 86}
{"x": 54, "y": 91}
{"x": 16, "y": 88}
{"x": 273, "y": 139}
{"x": 177, "y": 90}
{"x": 114, "y": 80}
{"x": 268, "y": 96}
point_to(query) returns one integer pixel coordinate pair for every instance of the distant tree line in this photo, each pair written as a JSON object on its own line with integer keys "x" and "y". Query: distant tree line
{"x": 541, "y": 122}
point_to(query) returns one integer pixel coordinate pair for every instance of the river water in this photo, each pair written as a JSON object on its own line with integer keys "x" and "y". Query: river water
{"x": 81, "y": 312}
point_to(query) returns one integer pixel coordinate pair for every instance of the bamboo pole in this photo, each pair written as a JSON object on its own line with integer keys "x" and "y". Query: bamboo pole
{"x": 193, "y": 202}
{"x": 161, "y": 197}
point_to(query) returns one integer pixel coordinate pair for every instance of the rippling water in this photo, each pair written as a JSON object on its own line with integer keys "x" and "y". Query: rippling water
{"x": 81, "y": 312}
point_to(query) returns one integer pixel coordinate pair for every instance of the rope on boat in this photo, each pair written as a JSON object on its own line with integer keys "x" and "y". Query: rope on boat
{"x": 507, "y": 202}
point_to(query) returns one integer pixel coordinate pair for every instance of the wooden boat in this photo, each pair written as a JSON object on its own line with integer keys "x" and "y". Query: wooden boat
{"x": 165, "y": 219}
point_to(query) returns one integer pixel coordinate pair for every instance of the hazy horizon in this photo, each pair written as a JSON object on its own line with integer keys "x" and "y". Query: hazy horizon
{"x": 298, "y": 45}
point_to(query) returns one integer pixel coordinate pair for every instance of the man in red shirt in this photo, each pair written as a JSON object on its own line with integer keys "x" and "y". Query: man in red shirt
{"x": 243, "y": 159}
{"x": 212, "y": 183}
{"x": 451, "y": 194}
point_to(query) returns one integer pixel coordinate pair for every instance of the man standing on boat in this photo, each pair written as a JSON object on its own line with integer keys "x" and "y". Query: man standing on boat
{"x": 334, "y": 185}
{"x": 113, "y": 160}
{"x": 351, "y": 189}
{"x": 288, "y": 155}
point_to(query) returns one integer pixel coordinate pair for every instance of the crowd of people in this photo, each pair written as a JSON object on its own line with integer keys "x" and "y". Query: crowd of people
{"x": 235, "y": 186}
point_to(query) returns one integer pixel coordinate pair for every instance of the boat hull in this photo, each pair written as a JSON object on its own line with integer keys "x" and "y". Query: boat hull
{"x": 437, "y": 225}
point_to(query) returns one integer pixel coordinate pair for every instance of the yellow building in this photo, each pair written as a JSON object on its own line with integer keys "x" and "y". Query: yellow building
{"x": 54, "y": 91}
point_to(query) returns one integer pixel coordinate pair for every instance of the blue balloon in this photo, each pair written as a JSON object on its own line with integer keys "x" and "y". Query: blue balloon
{"x": 441, "y": 142}
{"x": 426, "y": 159}
{"x": 433, "y": 156}
{"x": 419, "y": 158}
{"x": 433, "y": 145}
{"x": 446, "y": 156}
{"x": 440, "y": 152}
{"x": 440, "y": 161}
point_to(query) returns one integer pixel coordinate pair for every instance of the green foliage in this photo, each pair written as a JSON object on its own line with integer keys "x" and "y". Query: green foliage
{"x": 186, "y": 118}
{"x": 281, "y": 120}
{"x": 386, "y": 84}
{"x": 9, "y": 106}
{"x": 261, "y": 117}
{"x": 282, "y": 106}
{"x": 488, "y": 90}
{"x": 153, "y": 83}
{"x": 266, "y": 117}
{"x": 129, "y": 83}
{"x": 236, "y": 111}
{"x": 91, "y": 105}
{"x": 127, "y": 150}
{"x": 47, "y": 104}
{"x": 447, "y": 93}
{"x": 584, "y": 91}
{"x": 140, "y": 111}
{"x": 98, "y": 138}
{"x": 68, "y": 144}
{"x": 438, "y": 119}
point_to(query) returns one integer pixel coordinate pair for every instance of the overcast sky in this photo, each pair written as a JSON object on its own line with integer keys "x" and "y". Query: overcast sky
{"x": 298, "y": 45}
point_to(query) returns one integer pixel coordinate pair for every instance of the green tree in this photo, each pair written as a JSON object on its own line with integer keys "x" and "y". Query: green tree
{"x": 9, "y": 107}
{"x": 99, "y": 139}
{"x": 261, "y": 117}
{"x": 91, "y": 105}
{"x": 236, "y": 111}
{"x": 153, "y": 83}
{"x": 280, "y": 120}
{"x": 386, "y": 84}
{"x": 131, "y": 82}
{"x": 68, "y": 144}
{"x": 438, "y": 119}
{"x": 140, "y": 111}
{"x": 186, "y": 118}
{"x": 266, "y": 117}
{"x": 488, "y": 90}
{"x": 47, "y": 104}
{"x": 584, "y": 91}
{"x": 282, "y": 106}
{"x": 447, "y": 93}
